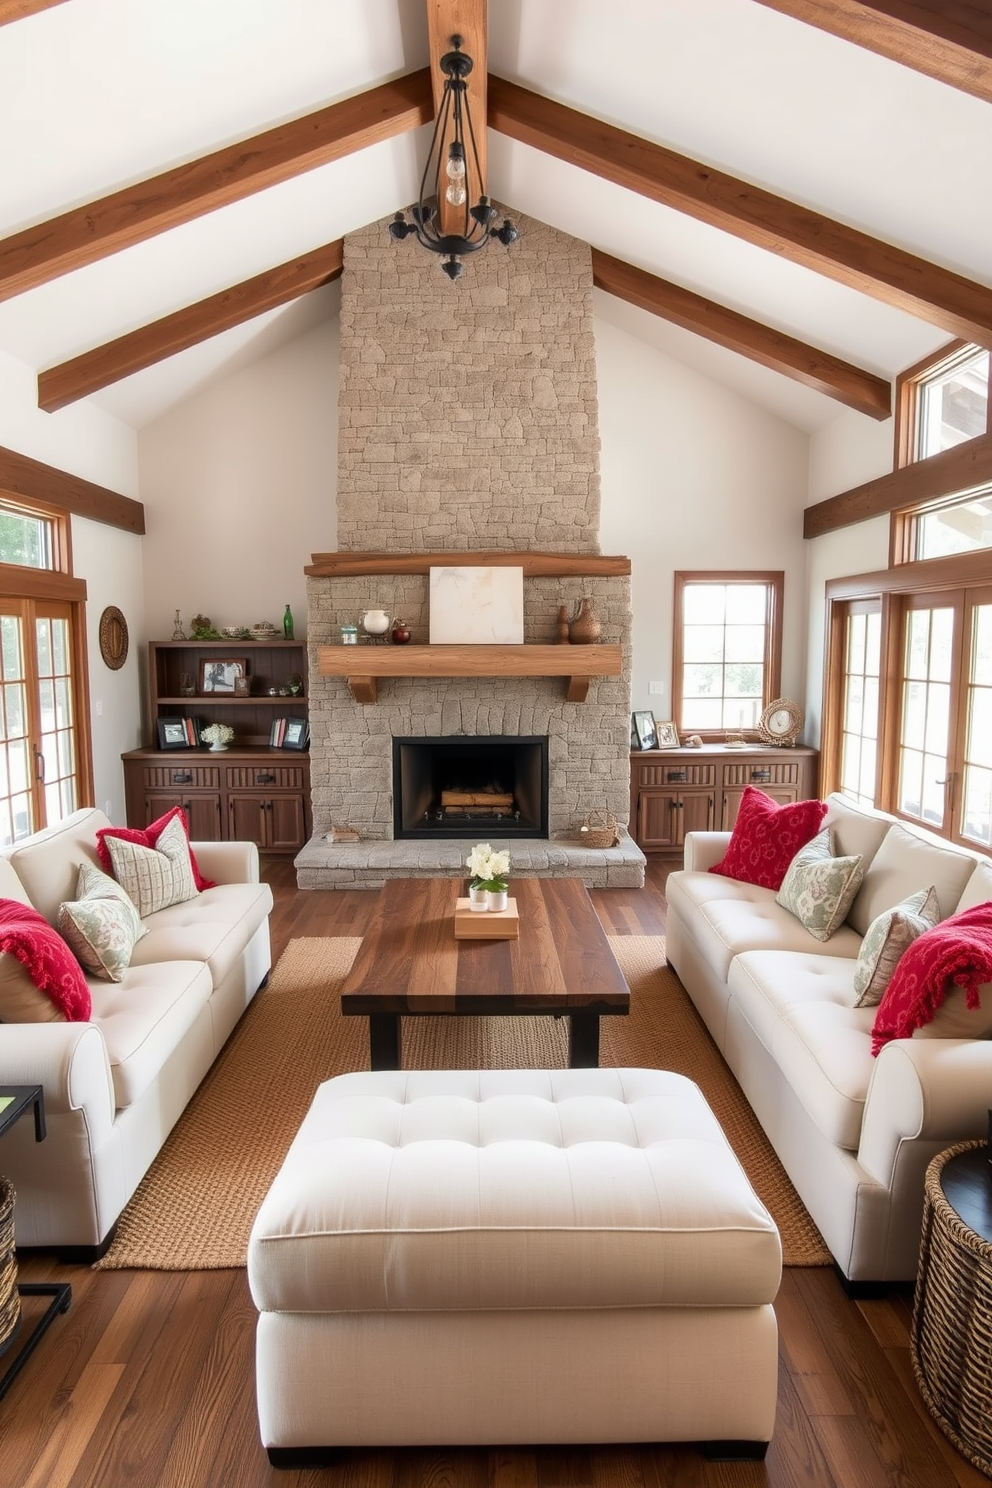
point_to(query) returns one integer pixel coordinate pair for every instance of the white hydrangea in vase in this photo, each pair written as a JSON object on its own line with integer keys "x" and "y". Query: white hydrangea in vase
{"x": 490, "y": 872}
{"x": 217, "y": 735}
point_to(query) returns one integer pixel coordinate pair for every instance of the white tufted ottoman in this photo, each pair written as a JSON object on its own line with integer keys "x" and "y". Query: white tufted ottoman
{"x": 465, "y": 1257}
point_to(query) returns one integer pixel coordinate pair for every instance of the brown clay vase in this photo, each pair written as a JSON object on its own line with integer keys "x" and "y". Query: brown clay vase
{"x": 584, "y": 628}
{"x": 562, "y": 628}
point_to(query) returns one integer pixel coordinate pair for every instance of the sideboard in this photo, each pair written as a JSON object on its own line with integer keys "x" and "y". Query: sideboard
{"x": 675, "y": 791}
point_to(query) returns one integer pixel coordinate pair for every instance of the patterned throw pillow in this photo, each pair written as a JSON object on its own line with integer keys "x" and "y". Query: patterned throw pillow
{"x": 886, "y": 938}
{"x": 767, "y": 836}
{"x": 101, "y": 925}
{"x": 155, "y": 877}
{"x": 818, "y": 888}
{"x": 148, "y": 837}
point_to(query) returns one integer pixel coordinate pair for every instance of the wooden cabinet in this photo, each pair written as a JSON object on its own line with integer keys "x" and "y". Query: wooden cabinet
{"x": 248, "y": 792}
{"x": 675, "y": 791}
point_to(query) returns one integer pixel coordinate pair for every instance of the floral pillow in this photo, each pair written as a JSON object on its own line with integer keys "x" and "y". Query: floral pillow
{"x": 887, "y": 937}
{"x": 819, "y": 888}
{"x": 767, "y": 836}
{"x": 101, "y": 925}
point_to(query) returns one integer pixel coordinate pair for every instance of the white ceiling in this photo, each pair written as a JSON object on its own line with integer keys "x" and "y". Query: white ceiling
{"x": 95, "y": 94}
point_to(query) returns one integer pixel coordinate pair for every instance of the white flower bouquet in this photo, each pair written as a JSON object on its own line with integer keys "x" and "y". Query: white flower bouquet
{"x": 490, "y": 870}
{"x": 217, "y": 735}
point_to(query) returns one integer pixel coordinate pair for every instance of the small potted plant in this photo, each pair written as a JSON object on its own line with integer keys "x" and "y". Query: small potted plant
{"x": 490, "y": 877}
{"x": 218, "y": 736}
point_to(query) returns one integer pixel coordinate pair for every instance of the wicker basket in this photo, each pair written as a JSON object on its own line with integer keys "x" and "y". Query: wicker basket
{"x": 599, "y": 829}
{"x": 10, "y": 1301}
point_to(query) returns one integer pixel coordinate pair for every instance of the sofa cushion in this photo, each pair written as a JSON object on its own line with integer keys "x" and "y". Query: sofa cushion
{"x": 905, "y": 862}
{"x": 855, "y": 828}
{"x": 799, "y": 1006}
{"x": 47, "y": 863}
{"x": 101, "y": 925}
{"x": 955, "y": 953}
{"x": 56, "y": 975}
{"x": 978, "y": 889}
{"x": 959, "y": 1018}
{"x": 214, "y": 927}
{"x": 725, "y": 917}
{"x": 155, "y": 877}
{"x": 21, "y": 1001}
{"x": 145, "y": 1017}
{"x": 818, "y": 888}
{"x": 889, "y": 936}
{"x": 148, "y": 837}
{"x": 766, "y": 837}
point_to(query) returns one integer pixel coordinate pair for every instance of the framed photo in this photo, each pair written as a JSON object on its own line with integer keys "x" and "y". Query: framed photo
{"x": 172, "y": 733}
{"x": 645, "y": 731}
{"x": 297, "y": 734}
{"x": 220, "y": 674}
{"x": 668, "y": 736}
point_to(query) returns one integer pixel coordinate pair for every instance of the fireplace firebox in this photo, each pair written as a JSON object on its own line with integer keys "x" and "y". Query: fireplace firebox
{"x": 470, "y": 786}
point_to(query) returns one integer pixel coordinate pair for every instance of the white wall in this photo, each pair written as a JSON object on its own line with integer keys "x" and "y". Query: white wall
{"x": 86, "y": 442}
{"x": 694, "y": 477}
{"x": 848, "y": 452}
{"x": 239, "y": 489}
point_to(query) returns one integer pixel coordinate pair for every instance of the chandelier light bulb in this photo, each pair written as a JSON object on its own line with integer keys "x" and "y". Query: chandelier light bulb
{"x": 456, "y": 193}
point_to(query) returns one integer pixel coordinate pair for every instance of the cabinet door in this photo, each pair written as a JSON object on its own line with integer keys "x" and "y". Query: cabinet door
{"x": 246, "y": 821}
{"x": 658, "y": 819}
{"x": 696, "y": 812}
{"x": 202, "y": 812}
{"x": 285, "y": 824}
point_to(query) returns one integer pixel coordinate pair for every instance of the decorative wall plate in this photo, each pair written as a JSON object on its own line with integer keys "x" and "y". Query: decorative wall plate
{"x": 781, "y": 722}
{"x": 113, "y": 638}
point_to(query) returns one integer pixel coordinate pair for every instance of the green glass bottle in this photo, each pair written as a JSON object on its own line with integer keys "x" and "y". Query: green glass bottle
{"x": 287, "y": 624}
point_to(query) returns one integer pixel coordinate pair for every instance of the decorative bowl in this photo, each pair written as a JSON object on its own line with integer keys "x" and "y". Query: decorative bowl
{"x": 263, "y": 629}
{"x": 232, "y": 631}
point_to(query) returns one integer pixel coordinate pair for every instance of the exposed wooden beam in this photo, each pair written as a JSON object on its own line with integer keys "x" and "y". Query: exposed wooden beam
{"x": 875, "y": 268}
{"x": 142, "y": 348}
{"x": 950, "y": 40}
{"x": 16, "y": 10}
{"x": 817, "y": 369}
{"x": 91, "y": 232}
{"x": 953, "y": 470}
{"x": 35, "y": 481}
{"x": 469, "y": 20}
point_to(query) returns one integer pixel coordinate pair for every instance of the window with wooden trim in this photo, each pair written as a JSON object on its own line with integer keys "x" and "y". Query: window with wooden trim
{"x": 942, "y": 401}
{"x": 860, "y": 700}
{"x": 727, "y": 658}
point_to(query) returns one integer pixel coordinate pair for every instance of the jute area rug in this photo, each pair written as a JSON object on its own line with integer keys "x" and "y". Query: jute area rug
{"x": 195, "y": 1207}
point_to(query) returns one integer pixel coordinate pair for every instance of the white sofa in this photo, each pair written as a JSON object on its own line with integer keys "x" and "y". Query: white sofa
{"x": 116, "y": 1085}
{"x": 854, "y": 1133}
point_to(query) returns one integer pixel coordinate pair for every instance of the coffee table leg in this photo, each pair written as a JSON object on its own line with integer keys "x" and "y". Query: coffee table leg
{"x": 583, "y": 1040}
{"x": 384, "y": 1041}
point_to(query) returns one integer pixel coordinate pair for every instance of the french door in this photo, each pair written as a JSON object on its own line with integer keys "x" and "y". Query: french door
{"x": 39, "y": 736}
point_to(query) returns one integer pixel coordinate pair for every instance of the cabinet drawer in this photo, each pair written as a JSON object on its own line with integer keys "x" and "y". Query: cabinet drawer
{"x": 761, "y": 773}
{"x": 272, "y": 777}
{"x": 194, "y": 777}
{"x": 672, "y": 774}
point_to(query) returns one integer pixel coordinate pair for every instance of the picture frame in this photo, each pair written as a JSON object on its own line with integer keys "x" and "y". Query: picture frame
{"x": 297, "y": 735}
{"x": 668, "y": 735}
{"x": 645, "y": 730}
{"x": 172, "y": 733}
{"x": 219, "y": 674}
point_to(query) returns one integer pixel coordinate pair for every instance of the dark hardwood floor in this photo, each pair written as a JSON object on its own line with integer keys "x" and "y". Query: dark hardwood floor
{"x": 148, "y": 1380}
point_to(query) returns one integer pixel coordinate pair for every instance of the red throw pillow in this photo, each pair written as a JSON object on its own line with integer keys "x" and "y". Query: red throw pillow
{"x": 148, "y": 838}
{"x": 46, "y": 958}
{"x": 766, "y": 838}
{"x": 955, "y": 953}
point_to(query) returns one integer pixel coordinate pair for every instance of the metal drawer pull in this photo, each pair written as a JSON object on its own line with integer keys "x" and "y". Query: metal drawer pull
{"x": 265, "y": 780}
{"x": 181, "y": 778}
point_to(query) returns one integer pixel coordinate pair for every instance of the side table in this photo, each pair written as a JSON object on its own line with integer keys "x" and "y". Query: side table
{"x": 15, "y": 1101}
{"x": 951, "y": 1335}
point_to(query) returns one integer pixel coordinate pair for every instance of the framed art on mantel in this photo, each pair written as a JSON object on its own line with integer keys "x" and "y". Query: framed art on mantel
{"x": 644, "y": 730}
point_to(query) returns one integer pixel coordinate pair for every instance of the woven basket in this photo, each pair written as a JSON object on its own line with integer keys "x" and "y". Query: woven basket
{"x": 10, "y": 1301}
{"x": 599, "y": 829}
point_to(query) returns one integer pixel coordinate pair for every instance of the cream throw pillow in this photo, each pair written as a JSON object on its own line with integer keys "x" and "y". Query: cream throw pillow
{"x": 818, "y": 888}
{"x": 888, "y": 936}
{"x": 101, "y": 926}
{"x": 155, "y": 877}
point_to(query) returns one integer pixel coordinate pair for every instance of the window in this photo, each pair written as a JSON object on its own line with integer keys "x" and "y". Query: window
{"x": 859, "y": 709}
{"x": 728, "y": 648}
{"x": 28, "y": 538}
{"x": 942, "y": 402}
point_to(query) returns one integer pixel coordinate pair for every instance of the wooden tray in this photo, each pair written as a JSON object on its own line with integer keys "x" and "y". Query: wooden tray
{"x": 492, "y": 924}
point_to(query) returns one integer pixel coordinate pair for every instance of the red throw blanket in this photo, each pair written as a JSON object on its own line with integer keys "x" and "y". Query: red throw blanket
{"x": 955, "y": 953}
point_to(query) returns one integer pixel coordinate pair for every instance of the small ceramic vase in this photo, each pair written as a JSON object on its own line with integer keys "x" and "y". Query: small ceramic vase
{"x": 496, "y": 899}
{"x": 375, "y": 622}
{"x": 400, "y": 633}
{"x": 584, "y": 628}
{"x": 562, "y": 627}
{"x": 478, "y": 900}
{"x": 217, "y": 748}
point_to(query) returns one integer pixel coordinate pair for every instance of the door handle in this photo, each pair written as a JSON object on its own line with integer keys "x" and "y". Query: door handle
{"x": 39, "y": 765}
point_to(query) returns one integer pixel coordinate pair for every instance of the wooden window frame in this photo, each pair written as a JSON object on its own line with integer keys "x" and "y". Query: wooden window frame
{"x": 774, "y": 581}
{"x": 907, "y": 401}
{"x": 61, "y": 526}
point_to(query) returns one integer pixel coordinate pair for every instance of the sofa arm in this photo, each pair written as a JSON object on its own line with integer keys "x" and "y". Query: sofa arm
{"x": 227, "y": 862}
{"x": 69, "y": 1061}
{"x": 936, "y": 1090}
{"x": 704, "y": 849}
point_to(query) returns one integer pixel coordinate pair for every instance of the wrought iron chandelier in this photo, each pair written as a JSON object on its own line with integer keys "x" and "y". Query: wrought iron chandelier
{"x": 453, "y": 175}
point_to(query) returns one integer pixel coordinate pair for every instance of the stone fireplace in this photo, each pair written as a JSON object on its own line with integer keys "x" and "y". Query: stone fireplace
{"x": 467, "y": 425}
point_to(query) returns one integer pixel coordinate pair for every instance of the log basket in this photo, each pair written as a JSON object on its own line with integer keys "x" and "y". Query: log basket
{"x": 599, "y": 829}
{"x": 10, "y": 1301}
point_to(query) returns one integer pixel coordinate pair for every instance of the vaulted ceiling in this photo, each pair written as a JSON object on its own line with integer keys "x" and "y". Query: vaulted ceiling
{"x": 788, "y": 195}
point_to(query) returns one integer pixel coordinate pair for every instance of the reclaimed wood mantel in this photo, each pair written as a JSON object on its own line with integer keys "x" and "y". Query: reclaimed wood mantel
{"x": 535, "y": 565}
{"x": 364, "y": 665}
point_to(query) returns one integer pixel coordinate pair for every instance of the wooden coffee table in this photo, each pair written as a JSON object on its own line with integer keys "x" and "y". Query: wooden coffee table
{"x": 410, "y": 964}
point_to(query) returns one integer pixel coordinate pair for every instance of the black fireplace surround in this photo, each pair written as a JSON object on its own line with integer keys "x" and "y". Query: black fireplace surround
{"x": 426, "y": 770}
